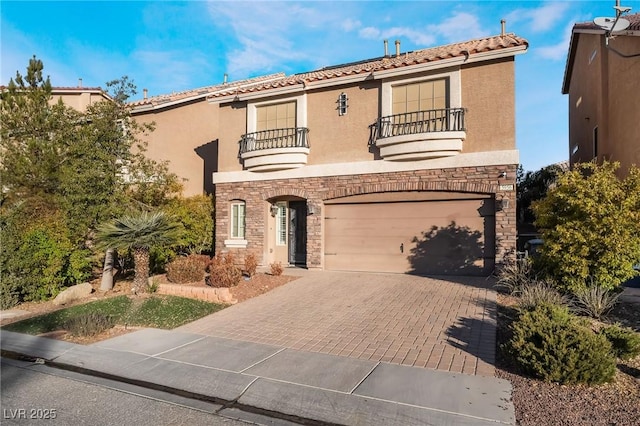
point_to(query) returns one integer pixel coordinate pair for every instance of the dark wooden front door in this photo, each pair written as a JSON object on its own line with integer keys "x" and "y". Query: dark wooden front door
{"x": 298, "y": 233}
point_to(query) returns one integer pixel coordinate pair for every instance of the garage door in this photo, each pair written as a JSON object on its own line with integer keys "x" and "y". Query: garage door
{"x": 444, "y": 236}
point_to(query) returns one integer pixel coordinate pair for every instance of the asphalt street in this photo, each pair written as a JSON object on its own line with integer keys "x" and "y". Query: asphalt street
{"x": 38, "y": 394}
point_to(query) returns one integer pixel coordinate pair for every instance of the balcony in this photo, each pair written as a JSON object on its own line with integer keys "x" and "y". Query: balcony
{"x": 420, "y": 135}
{"x": 277, "y": 149}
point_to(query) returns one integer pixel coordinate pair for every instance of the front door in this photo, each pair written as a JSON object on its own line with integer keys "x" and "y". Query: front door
{"x": 298, "y": 233}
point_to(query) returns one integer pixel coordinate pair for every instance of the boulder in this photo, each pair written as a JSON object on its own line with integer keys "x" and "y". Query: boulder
{"x": 73, "y": 293}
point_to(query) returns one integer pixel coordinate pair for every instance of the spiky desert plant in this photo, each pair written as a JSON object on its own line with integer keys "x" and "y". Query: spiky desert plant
{"x": 138, "y": 233}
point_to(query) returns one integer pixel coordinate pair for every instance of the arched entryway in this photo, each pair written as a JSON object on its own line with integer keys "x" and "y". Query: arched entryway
{"x": 286, "y": 236}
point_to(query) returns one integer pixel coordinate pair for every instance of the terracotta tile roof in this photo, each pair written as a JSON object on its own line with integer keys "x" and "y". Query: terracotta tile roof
{"x": 158, "y": 101}
{"x": 634, "y": 21}
{"x": 434, "y": 54}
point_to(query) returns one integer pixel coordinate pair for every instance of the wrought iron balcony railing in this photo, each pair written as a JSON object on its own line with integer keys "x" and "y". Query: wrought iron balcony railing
{"x": 411, "y": 123}
{"x": 295, "y": 137}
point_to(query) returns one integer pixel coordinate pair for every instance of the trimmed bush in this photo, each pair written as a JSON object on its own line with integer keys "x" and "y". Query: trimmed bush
{"x": 223, "y": 271}
{"x": 276, "y": 268}
{"x": 250, "y": 264}
{"x": 550, "y": 344}
{"x": 625, "y": 341}
{"x": 89, "y": 324}
{"x": 540, "y": 293}
{"x": 187, "y": 269}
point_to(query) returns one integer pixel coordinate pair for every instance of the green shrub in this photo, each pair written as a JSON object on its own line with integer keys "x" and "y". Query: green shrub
{"x": 625, "y": 341}
{"x": 196, "y": 216}
{"x": 223, "y": 271}
{"x": 594, "y": 301}
{"x": 187, "y": 269}
{"x": 589, "y": 224}
{"x": 550, "y": 344}
{"x": 540, "y": 293}
{"x": 514, "y": 275}
{"x": 88, "y": 324}
{"x": 37, "y": 257}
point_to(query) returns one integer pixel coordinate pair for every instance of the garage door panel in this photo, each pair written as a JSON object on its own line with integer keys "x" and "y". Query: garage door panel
{"x": 428, "y": 237}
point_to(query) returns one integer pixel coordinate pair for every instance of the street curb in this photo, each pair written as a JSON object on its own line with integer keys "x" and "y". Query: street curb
{"x": 225, "y": 404}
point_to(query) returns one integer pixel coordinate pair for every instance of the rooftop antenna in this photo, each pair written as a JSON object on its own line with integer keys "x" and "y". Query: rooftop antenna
{"x": 614, "y": 25}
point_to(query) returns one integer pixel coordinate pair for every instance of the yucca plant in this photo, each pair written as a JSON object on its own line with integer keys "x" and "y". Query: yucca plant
{"x": 538, "y": 293}
{"x": 594, "y": 301}
{"x": 138, "y": 233}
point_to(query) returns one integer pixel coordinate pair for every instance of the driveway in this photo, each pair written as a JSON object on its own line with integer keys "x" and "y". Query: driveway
{"x": 446, "y": 324}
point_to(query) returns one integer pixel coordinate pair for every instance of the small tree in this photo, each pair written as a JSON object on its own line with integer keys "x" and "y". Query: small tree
{"x": 590, "y": 223}
{"x": 139, "y": 233}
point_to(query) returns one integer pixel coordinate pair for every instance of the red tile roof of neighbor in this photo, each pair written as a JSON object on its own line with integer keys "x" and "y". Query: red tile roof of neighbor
{"x": 433, "y": 54}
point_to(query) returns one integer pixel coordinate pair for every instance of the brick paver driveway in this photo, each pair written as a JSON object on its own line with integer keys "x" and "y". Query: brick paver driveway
{"x": 445, "y": 324}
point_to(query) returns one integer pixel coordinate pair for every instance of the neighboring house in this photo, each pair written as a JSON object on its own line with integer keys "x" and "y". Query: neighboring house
{"x": 602, "y": 79}
{"x": 79, "y": 97}
{"x": 186, "y": 132}
{"x": 403, "y": 163}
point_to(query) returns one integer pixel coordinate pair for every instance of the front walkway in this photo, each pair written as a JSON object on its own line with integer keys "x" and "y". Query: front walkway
{"x": 446, "y": 324}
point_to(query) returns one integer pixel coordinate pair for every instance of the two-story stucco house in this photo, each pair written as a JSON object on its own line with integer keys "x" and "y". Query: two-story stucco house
{"x": 602, "y": 79}
{"x": 403, "y": 163}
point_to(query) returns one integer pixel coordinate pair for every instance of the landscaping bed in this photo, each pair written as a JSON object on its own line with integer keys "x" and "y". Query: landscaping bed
{"x": 540, "y": 403}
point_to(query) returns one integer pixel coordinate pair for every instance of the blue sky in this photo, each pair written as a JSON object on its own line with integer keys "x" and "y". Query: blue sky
{"x": 171, "y": 46}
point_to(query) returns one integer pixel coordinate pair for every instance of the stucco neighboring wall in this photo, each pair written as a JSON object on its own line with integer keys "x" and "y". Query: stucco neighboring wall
{"x": 602, "y": 94}
{"x": 77, "y": 100}
{"x": 233, "y": 124}
{"x": 178, "y": 132}
{"x": 585, "y": 94}
{"x": 488, "y": 94}
{"x": 623, "y": 137}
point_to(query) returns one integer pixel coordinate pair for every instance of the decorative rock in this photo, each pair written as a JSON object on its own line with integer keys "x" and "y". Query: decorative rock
{"x": 73, "y": 293}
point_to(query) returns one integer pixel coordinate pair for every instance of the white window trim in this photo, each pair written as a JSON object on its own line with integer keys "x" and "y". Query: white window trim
{"x": 454, "y": 93}
{"x": 282, "y": 207}
{"x": 231, "y": 221}
{"x": 301, "y": 111}
{"x": 236, "y": 243}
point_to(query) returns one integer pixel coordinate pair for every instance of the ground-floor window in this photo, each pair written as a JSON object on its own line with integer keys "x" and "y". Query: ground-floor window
{"x": 237, "y": 219}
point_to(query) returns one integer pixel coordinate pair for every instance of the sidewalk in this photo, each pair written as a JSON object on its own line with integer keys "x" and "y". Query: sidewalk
{"x": 282, "y": 383}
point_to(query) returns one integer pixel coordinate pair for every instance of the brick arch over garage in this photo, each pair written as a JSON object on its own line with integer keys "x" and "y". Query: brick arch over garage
{"x": 473, "y": 187}
{"x": 281, "y": 192}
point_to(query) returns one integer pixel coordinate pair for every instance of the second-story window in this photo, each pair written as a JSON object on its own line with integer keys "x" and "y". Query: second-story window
{"x": 277, "y": 116}
{"x": 422, "y": 96}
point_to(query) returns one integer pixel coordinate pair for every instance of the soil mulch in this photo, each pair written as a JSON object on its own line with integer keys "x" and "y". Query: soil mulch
{"x": 539, "y": 403}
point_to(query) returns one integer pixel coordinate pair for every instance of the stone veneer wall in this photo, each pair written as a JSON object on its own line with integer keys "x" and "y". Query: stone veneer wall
{"x": 316, "y": 190}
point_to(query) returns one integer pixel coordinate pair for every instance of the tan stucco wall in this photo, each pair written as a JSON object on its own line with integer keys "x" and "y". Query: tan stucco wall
{"x": 335, "y": 138}
{"x": 488, "y": 94}
{"x": 623, "y": 137}
{"x": 178, "y": 132}
{"x": 233, "y": 124}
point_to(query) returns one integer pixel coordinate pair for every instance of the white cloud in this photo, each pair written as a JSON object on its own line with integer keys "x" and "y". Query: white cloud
{"x": 420, "y": 38}
{"x": 542, "y": 18}
{"x": 559, "y": 50}
{"x": 350, "y": 24}
{"x": 460, "y": 26}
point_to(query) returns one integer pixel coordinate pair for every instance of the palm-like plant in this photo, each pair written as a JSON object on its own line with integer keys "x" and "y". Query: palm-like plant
{"x": 139, "y": 233}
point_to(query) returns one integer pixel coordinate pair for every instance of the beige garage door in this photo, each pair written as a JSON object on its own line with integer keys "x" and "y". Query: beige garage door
{"x": 434, "y": 237}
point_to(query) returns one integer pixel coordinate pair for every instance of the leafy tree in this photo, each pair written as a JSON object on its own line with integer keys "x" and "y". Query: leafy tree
{"x": 86, "y": 167}
{"x": 590, "y": 224}
{"x": 533, "y": 186}
{"x": 139, "y": 233}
